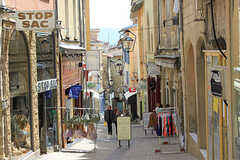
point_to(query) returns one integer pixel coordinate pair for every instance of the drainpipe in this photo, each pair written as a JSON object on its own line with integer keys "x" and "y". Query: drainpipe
{"x": 84, "y": 14}
{"x": 80, "y": 22}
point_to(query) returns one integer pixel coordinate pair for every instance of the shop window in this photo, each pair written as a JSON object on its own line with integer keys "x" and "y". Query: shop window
{"x": 20, "y": 107}
{"x": 45, "y": 56}
{"x": 168, "y": 10}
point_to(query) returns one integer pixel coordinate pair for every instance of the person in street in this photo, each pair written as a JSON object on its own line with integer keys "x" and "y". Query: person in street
{"x": 108, "y": 117}
{"x": 153, "y": 120}
{"x": 116, "y": 113}
{"x": 158, "y": 108}
{"x": 126, "y": 113}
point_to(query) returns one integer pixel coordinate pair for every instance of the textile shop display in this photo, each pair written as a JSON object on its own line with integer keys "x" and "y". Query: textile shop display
{"x": 166, "y": 124}
{"x": 21, "y": 141}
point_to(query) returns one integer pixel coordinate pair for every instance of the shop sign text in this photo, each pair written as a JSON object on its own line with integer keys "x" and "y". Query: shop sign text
{"x": 46, "y": 85}
{"x": 43, "y": 20}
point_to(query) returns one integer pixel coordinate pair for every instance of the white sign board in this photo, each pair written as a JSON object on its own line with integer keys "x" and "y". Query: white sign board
{"x": 124, "y": 128}
{"x": 46, "y": 85}
{"x": 153, "y": 69}
{"x": 93, "y": 61}
{"x": 36, "y": 20}
{"x": 146, "y": 117}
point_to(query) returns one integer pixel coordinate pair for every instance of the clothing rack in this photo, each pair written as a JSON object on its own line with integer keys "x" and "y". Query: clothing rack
{"x": 168, "y": 109}
{"x": 167, "y": 121}
{"x": 72, "y": 108}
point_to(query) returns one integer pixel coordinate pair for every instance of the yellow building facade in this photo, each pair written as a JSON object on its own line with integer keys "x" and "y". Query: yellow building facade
{"x": 137, "y": 16}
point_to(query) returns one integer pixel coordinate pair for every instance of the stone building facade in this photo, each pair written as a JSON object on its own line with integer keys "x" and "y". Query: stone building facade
{"x": 204, "y": 112}
{"x": 73, "y": 17}
{"x": 24, "y": 127}
{"x": 20, "y": 115}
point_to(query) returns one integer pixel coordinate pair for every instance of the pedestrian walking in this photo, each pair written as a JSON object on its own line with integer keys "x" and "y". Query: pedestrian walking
{"x": 158, "y": 108}
{"x": 153, "y": 120}
{"x": 108, "y": 117}
{"x": 126, "y": 113}
{"x": 116, "y": 113}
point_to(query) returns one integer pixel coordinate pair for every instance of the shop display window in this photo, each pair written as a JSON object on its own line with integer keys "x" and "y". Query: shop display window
{"x": 20, "y": 125}
{"x": 20, "y": 106}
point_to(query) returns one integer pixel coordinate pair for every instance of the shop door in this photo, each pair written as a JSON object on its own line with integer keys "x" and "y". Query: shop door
{"x": 47, "y": 122}
{"x": 120, "y": 106}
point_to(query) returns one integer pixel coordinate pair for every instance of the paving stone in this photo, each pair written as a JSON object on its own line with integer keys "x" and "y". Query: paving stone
{"x": 141, "y": 148}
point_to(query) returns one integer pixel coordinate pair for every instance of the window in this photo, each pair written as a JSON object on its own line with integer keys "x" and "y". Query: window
{"x": 168, "y": 12}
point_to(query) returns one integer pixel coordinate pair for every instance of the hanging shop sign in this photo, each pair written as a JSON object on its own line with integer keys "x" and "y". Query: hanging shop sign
{"x": 93, "y": 61}
{"x": 37, "y": 20}
{"x": 46, "y": 85}
{"x": 217, "y": 81}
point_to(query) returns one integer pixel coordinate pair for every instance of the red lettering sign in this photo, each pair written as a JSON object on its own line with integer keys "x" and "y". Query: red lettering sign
{"x": 132, "y": 89}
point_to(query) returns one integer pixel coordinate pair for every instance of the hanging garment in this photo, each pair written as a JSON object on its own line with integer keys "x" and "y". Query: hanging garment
{"x": 165, "y": 126}
{"x": 171, "y": 125}
{"x": 168, "y": 123}
{"x": 175, "y": 123}
{"x": 160, "y": 124}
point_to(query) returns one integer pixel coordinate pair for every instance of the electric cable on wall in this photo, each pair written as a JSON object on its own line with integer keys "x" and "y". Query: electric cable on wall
{"x": 214, "y": 32}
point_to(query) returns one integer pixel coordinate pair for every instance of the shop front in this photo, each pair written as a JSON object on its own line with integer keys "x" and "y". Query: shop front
{"x": 216, "y": 106}
{"x": 19, "y": 128}
{"x": 131, "y": 101}
{"x": 20, "y": 101}
{"x": 71, "y": 87}
{"x": 46, "y": 88}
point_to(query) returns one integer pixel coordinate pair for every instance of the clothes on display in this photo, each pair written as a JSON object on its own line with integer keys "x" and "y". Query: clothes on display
{"x": 166, "y": 124}
{"x": 21, "y": 143}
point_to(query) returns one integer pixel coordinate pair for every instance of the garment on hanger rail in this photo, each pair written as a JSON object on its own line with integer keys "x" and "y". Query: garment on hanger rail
{"x": 166, "y": 124}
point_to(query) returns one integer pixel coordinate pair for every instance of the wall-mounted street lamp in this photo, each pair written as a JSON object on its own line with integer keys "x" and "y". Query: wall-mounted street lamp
{"x": 118, "y": 66}
{"x": 127, "y": 40}
{"x": 111, "y": 82}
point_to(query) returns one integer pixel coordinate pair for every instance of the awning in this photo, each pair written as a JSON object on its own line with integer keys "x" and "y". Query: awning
{"x": 129, "y": 94}
{"x": 101, "y": 90}
{"x": 73, "y": 46}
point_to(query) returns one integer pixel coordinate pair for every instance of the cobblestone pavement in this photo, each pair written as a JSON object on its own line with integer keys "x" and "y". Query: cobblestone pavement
{"x": 141, "y": 148}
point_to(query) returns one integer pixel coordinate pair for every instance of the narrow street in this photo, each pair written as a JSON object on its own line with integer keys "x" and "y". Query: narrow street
{"x": 141, "y": 148}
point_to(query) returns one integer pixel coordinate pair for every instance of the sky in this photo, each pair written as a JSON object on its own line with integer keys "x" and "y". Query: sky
{"x": 109, "y": 13}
